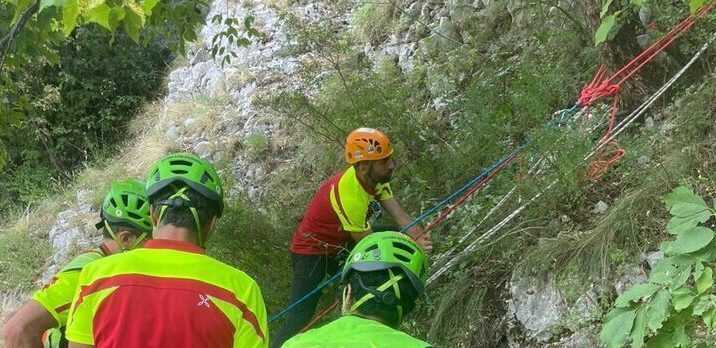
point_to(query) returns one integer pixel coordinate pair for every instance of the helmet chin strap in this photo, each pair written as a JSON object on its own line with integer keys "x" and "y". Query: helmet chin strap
{"x": 119, "y": 243}
{"x": 184, "y": 203}
{"x": 380, "y": 294}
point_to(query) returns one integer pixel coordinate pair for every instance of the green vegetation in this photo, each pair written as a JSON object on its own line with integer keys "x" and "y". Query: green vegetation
{"x": 373, "y": 21}
{"x": 659, "y": 313}
{"x": 458, "y": 107}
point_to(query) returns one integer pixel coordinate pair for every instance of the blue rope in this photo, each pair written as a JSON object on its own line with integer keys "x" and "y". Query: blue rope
{"x": 441, "y": 204}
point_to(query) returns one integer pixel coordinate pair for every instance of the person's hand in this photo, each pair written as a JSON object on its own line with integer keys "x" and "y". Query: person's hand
{"x": 426, "y": 243}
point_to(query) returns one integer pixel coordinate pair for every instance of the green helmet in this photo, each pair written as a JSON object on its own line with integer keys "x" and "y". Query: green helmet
{"x": 126, "y": 205}
{"x": 190, "y": 170}
{"x": 386, "y": 250}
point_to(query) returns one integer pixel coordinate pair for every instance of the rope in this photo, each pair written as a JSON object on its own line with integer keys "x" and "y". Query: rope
{"x": 618, "y": 130}
{"x": 600, "y": 87}
{"x": 595, "y": 90}
{"x": 320, "y": 316}
{"x": 478, "y": 181}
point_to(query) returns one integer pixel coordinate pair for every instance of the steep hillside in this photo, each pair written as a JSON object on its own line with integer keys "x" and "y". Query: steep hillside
{"x": 534, "y": 258}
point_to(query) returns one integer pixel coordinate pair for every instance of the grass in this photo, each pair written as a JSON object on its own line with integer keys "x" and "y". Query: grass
{"x": 372, "y": 21}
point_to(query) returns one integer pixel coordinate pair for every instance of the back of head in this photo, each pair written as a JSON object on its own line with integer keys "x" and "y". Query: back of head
{"x": 187, "y": 192}
{"x": 125, "y": 207}
{"x": 386, "y": 272}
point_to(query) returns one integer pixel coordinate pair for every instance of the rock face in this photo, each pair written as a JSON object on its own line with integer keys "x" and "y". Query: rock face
{"x": 72, "y": 232}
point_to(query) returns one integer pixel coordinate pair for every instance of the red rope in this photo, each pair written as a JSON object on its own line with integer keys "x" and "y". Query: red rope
{"x": 600, "y": 87}
{"x": 467, "y": 195}
{"x": 320, "y": 316}
{"x": 440, "y": 218}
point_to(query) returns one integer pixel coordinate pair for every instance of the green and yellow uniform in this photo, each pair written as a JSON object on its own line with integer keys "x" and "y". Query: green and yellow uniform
{"x": 354, "y": 332}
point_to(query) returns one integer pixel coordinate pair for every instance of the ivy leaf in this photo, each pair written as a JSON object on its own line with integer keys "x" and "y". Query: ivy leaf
{"x": 636, "y": 292}
{"x": 639, "y": 330}
{"x": 690, "y": 241}
{"x": 658, "y": 309}
{"x": 617, "y": 326}
{"x": 683, "y": 297}
{"x": 604, "y": 28}
{"x": 705, "y": 281}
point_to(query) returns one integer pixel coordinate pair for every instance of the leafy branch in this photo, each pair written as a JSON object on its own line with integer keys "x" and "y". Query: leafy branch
{"x": 661, "y": 312}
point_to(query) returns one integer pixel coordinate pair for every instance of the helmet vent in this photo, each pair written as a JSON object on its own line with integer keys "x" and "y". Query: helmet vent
{"x": 134, "y": 215}
{"x": 402, "y": 258}
{"x": 178, "y": 162}
{"x": 180, "y": 171}
{"x": 156, "y": 176}
{"x": 371, "y": 248}
{"x": 404, "y": 247}
{"x": 205, "y": 177}
{"x": 140, "y": 203}
{"x": 125, "y": 199}
{"x": 113, "y": 202}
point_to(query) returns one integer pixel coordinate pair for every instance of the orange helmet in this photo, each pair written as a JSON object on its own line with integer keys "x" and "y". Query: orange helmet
{"x": 367, "y": 144}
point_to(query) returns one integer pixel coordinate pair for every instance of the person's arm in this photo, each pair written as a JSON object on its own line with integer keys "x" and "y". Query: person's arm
{"x": 393, "y": 208}
{"x": 25, "y": 328}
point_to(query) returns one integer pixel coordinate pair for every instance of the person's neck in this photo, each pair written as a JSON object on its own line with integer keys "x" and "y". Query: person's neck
{"x": 177, "y": 233}
{"x": 368, "y": 184}
{"x": 110, "y": 247}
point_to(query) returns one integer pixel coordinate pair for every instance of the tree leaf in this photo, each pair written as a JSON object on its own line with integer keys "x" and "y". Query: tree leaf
{"x": 101, "y": 16}
{"x": 243, "y": 42}
{"x": 133, "y": 23}
{"x": 709, "y": 317}
{"x": 20, "y": 7}
{"x": 658, "y": 309}
{"x": 248, "y": 22}
{"x": 70, "y": 12}
{"x": 702, "y": 304}
{"x": 690, "y": 241}
{"x": 605, "y": 8}
{"x": 617, "y": 326}
{"x": 683, "y": 202}
{"x": 682, "y": 298}
{"x": 695, "y": 5}
{"x": 705, "y": 281}
{"x": 148, "y": 6}
{"x": 637, "y": 292}
{"x": 47, "y": 3}
{"x": 673, "y": 334}
{"x": 639, "y": 330}
{"x": 605, "y": 27}
{"x": 678, "y": 224}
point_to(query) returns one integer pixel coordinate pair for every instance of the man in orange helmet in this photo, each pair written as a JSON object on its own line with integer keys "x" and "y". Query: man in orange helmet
{"x": 340, "y": 214}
